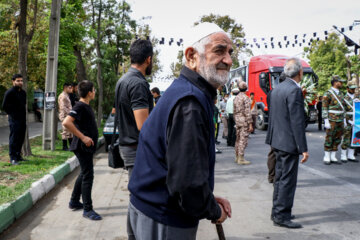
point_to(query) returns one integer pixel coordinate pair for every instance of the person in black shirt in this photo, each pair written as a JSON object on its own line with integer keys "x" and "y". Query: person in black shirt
{"x": 134, "y": 100}
{"x": 14, "y": 104}
{"x": 81, "y": 122}
{"x": 156, "y": 94}
{"x": 73, "y": 95}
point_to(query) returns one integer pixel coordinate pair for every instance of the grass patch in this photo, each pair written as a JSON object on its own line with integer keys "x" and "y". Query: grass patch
{"x": 15, "y": 180}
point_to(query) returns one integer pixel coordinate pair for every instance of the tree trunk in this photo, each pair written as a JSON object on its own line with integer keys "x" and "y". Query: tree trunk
{"x": 22, "y": 64}
{"x": 99, "y": 69}
{"x": 80, "y": 67}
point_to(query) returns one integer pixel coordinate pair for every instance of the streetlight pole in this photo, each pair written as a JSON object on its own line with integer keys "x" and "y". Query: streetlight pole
{"x": 50, "y": 120}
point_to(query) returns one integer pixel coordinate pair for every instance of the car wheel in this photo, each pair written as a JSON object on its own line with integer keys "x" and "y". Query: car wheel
{"x": 260, "y": 120}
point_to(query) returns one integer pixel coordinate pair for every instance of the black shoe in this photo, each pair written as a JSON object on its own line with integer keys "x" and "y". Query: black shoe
{"x": 217, "y": 150}
{"x": 75, "y": 205}
{"x": 353, "y": 160}
{"x": 286, "y": 223}
{"x": 292, "y": 217}
{"x": 14, "y": 162}
{"x": 21, "y": 159}
{"x": 92, "y": 215}
{"x": 217, "y": 142}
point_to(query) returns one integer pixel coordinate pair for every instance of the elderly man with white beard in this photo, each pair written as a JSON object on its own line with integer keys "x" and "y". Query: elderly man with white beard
{"x": 173, "y": 178}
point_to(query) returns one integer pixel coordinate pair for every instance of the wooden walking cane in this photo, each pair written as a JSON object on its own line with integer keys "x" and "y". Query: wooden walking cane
{"x": 220, "y": 231}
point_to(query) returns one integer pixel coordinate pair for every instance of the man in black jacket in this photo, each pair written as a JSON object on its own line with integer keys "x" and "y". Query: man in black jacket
{"x": 286, "y": 135}
{"x": 173, "y": 178}
{"x": 14, "y": 104}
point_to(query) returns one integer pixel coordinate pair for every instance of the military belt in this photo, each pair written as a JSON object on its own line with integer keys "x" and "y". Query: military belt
{"x": 336, "y": 111}
{"x": 350, "y": 113}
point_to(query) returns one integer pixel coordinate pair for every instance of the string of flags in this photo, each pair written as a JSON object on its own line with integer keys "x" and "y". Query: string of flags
{"x": 297, "y": 40}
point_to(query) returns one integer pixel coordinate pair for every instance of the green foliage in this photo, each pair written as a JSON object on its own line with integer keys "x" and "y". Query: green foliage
{"x": 176, "y": 67}
{"x": 77, "y": 31}
{"x": 355, "y": 64}
{"x": 328, "y": 58}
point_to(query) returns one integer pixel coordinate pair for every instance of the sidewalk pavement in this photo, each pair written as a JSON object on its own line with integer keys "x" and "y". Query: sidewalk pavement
{"x": 327, "y": 207}
{"x": 35, "y": 129}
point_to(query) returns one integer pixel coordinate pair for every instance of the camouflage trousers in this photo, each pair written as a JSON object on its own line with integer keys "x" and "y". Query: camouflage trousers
{"x": 333, "y": 136}
{"x": 65, "y": 133}
{"x": 242, "y": 135}
{"x": 346, "y": 141}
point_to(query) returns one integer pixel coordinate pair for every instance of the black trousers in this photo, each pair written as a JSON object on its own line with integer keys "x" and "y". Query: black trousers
{"x": 285, "y": 184}
{"x": 16, "y": 138}
{"x": 84, "y": 182}
{"x": 320, "y": 120}
{"x": 38, "y": 115}
{"x": 271, "y": 162}
{"x": 231, "y": 131}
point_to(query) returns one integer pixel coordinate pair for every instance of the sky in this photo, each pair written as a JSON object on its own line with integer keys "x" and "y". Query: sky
{"x": 259, "y": 18}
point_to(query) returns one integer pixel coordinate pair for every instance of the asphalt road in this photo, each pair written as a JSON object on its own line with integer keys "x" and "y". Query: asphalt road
{"x": 35, "y": 129}
{"x": 326, "y": 201}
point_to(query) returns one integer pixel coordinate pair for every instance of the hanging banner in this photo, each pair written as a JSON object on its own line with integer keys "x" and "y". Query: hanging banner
{"x": 355, "y": 140}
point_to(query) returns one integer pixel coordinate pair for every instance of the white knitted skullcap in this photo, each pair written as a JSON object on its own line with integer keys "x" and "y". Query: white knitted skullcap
{"x": 199, "y": 32}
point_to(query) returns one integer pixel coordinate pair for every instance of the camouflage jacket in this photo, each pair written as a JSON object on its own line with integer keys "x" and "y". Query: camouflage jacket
{"x": 64, "y": 105}
{"x": 242, "y": 114}
{"x": 334, "y": 108}
{"x": 349, "y": 104}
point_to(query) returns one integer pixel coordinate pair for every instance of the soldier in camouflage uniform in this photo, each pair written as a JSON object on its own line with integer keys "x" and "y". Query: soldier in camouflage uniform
{"x": 333, "y": 114}
{"x": 243, "y": 122}
{"x": 64, "y": 109}
{"x": 347, "y": 153}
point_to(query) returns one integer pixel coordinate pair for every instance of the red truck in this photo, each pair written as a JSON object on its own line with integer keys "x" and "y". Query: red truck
{"x": 261, "y": 75}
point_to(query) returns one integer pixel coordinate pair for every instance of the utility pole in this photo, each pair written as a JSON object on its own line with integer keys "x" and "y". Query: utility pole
{"x": 50, "y": 119}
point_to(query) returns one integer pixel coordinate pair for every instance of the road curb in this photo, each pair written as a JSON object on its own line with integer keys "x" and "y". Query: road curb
{"x": 60, "y": 172}
{"x": 22, "y": 204}
{"x": 14, "y": 210}
{"x": 7, "y": 216}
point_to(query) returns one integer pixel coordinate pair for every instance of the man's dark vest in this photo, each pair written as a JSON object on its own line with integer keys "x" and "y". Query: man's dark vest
{"x": 149, "y": 192}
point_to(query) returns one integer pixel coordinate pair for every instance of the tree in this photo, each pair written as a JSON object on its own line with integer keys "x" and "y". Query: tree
{"x": 72, "y": 34}
{"x": 24, "y": 39}
{"x": 328, "y": 58}
{"x": 176, "y": 67}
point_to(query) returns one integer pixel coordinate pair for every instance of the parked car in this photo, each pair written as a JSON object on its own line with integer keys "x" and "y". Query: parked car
{"x": 109, "y": 130}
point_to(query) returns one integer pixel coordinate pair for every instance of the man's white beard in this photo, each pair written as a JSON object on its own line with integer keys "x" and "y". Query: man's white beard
{"x": 210, "y": 74}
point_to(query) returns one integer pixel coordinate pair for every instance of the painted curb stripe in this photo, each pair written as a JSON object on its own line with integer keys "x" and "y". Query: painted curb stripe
{"x": 14, "y": 210}
{"x": 7, "y": 216}
{"x": 48, "y": 182}
{"x": 73, "y": 163}
{"x": 60, "y": 172}
{"x": 22, "y": 204}
{"x": 37, "y": 191}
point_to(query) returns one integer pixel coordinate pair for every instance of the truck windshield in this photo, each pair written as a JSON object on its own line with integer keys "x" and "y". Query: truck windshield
{"x": 275, "y": 79}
